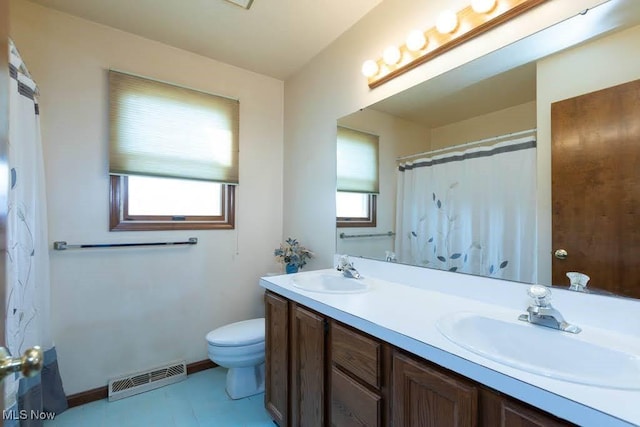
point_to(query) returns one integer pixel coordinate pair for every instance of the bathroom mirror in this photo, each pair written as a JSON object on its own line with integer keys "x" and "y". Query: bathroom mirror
{"x": 507, "y": 92}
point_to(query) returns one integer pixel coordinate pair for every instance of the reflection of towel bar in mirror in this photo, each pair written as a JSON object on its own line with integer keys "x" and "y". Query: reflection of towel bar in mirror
{"x": 351, "y": 236}
{"x": 61, "y": 245}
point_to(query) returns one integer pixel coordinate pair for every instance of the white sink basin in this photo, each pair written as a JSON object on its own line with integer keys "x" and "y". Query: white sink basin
{"x": 578, "y": 358}
{"x": 331, "y": 283}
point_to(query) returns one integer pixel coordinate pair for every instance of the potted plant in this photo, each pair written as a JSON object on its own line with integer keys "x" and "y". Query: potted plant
{"x": 292, "y": 255}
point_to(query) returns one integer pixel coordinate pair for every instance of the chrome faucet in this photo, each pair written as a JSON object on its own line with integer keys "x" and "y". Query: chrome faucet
{"x": 347, "y": 268}
{"x": 540, "y": 312}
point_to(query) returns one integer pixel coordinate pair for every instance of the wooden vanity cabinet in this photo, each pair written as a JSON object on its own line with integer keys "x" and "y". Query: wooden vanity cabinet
{"x": 320, "y": 372}
{"x": 425, "y": 395}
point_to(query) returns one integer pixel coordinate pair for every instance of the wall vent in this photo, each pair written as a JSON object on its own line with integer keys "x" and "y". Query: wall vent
{"x": 140, "y": 382}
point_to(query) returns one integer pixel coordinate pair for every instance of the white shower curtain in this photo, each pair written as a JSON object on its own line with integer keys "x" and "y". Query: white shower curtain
{"x": 471, "y": 211}
{"x": 27, "y": 302}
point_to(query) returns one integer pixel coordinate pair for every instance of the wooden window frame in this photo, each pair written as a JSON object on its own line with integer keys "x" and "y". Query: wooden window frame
{"x": 120, "y": 220}
{"x": 368, "y": 221}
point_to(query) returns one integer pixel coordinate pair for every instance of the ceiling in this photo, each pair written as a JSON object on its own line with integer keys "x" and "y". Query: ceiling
{"x": 273, "y": 37}
{"x": 458, "y": 96}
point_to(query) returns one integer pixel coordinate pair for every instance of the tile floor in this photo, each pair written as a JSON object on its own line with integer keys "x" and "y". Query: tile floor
{"x": 198, "y": 401}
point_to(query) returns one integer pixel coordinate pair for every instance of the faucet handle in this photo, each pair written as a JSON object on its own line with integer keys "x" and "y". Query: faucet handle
{"x": 578, "y": 281}
{"x": 343, "y": 262}
{"x": 541, "y": 295}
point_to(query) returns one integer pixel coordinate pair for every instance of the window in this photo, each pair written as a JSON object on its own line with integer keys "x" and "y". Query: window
{"x": 355, "y": 210}
{"x": 357, "y": 180}
{"x": 173, "y": 156}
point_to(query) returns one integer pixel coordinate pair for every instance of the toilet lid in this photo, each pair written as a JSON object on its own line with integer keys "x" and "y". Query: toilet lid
{"x": 240, "y": 333}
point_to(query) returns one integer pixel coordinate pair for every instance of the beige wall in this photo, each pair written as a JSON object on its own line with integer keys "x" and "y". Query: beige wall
{"x": 398, "y": 137}
{"x": 331, "y": 86}
{"x": 514, "y": 119}
{"x": 117, "y": 311}
{"x": 597, "y": 65}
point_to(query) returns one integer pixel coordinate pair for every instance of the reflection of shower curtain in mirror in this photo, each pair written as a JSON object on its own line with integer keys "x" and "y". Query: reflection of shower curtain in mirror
{"x": 27, "y": 301}
{"x": 471, "y": 211}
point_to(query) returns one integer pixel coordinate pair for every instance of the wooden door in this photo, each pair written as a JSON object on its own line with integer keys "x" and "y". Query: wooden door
{"x": 276, "y": 396}
{"x": 307, "y": 368}
{"x": 596, "y": 188}
{"x": 424, "y": 396}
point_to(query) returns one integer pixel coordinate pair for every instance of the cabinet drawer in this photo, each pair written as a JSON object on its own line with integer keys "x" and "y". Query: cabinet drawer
{"x": 356, "y": 353}
{"x": 352, "y": 404}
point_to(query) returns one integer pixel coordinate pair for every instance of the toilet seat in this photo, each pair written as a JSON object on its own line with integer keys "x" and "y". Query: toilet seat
{"x": 238, "y": 334}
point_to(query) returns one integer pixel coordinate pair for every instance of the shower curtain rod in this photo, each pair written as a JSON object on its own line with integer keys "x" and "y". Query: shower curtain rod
{"x": 466, "y": 144}
{"x": 61, "y": 245}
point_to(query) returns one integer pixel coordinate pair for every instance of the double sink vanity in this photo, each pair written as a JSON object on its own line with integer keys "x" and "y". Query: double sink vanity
{"x": 406, "y": 346}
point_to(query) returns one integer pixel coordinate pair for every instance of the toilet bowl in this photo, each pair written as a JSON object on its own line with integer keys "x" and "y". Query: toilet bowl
{"x": 240, "y": 348}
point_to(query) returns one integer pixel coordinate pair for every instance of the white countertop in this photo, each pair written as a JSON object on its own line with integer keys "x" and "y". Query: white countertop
{"x": 404, "y": 312}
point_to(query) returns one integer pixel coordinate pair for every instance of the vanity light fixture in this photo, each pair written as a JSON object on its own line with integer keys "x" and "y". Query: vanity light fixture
{"x": 370, "y": 68}
{"x": 451, "y": 30}
{"x": 483, "y": 6}
{"x": 447, "y": 22}
{"x": 391, "y": 55}
{"x": 416, "y": 41}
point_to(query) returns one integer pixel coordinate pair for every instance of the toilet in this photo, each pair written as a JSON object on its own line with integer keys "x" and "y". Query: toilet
{"x": 240, "y": 348}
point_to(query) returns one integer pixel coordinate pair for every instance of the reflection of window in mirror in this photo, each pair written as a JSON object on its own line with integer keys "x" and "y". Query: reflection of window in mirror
{"x": 355, "y": 209}
{"x": 357, "y": 178}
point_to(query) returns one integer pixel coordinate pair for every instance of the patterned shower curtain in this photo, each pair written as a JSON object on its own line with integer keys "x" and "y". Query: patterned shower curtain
{"x": 471, "y": 211}
{"x": 28, "y": 400}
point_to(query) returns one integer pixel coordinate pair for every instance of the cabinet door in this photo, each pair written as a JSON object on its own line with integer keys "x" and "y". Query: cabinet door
{"x": 307, "y": 367}
{"x": 503, "y": 411}
{"x": 276, "y": 396}
{"x": 352, "y": 404}
{"x": 426, "y": 396}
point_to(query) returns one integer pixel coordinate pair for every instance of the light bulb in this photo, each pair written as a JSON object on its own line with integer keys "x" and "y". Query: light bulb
{"x": 391, "y": 55}
{"x": 370, "y": 68}
{"x": 447, "y": 22}
{"x": 483, "y": 6}
{"x": 416, "y": 41}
